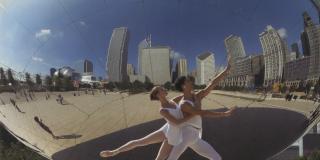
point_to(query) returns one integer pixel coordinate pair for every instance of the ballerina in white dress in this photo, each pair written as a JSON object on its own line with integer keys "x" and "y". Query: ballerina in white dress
{"x": 169, "y": 134}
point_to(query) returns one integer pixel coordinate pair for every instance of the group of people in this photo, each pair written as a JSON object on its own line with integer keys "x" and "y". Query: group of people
{"x": 184, "y": 122}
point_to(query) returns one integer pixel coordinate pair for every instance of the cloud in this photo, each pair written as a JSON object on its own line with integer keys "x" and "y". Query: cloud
{"x": 176, "y": 55}
{"x": 37, "y": 59}
{"x": 82, "y": 23}
{"x": 283, "y": 33}
{"x": 43, "y": 34}
{"x": 2, "y": 6}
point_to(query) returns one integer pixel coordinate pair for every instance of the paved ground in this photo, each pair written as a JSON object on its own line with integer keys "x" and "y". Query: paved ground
{"x": 88, "y": 123}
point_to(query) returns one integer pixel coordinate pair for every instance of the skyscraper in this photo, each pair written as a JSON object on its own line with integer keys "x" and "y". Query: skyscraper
{"x": 182, "y": 67}
{"x": 130, "y": 69}
{"x": 304, "y": 36}
{"x": 146, "y": 43}
{"x": 316, "y": 3}
{"x": 295, "y": 48}
{"x": 274, "y": 55}
{"x": 205, "y": 68}
{"x": 235, "y": 49}
{"x": 155, "y": 64}
{"x": 87, "y": 67}
{"x": 52, "y": 71}
{"x": 311, "y": 43}
{"x": 118, "y": 55}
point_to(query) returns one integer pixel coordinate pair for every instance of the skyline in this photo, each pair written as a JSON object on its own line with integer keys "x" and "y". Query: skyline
{"x": 45, "y": 41}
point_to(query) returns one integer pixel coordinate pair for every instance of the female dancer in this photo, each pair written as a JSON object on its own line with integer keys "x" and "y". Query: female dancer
{"x": 169, "y": 134}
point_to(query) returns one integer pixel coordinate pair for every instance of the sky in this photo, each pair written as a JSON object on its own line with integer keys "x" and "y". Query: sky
{"x": 36, "y": 35}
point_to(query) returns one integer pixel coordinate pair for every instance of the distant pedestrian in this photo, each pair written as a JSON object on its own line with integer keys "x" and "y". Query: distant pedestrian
{"x": 44, "y": 127}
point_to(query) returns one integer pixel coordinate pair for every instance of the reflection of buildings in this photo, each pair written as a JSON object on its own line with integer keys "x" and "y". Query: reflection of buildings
{"x": 235, "y": 49}
{"x": 155, "y": 64}
{"x": 296, "y": 70}
{"x": 52, "y": 71}
{"x": 274, "y": 52}
{"x": 130, "y": 69}
{"x": 146, "y": 43}
{"x": 205, "y": 68}
{"x": 295, "y": 48}
{"x": 68, "y": 72}
{"x": 87, "y": 67}
{"x": 311, "y": 44}
{"x": 118, "y": 55}
{"x": 248, "y": 72}
{"x": 316, "y": 3}
{"x": 182, "y": 67}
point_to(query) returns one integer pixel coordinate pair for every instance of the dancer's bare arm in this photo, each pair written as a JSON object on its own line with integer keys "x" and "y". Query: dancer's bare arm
{"x": 187, "y": 108}
{"x": 171, "y": 119}
{"x": 177, "y": 99}
{"x": 204, "y": 92}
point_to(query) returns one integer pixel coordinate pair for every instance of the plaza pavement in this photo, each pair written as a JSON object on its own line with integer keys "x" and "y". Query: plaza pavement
{"x": 89, "y": 123}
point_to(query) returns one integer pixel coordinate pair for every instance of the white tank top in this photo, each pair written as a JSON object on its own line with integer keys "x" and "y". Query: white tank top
{"x": 195, "y": 121}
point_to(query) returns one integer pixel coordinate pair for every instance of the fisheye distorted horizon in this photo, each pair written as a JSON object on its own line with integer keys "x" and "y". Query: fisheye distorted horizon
{"x": 37, "y": 35}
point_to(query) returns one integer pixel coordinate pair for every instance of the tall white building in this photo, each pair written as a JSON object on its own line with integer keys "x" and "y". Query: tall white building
{"x": 274, "y": 52}
{"x": 130, "y": 69}
{"x": 312, "y": 44}
{"x": 235, "y": 49}
{"x": 182, "y": 67}
{"x": 205, "y": 68}
{"x": 118, "y": 55}
{"x": 155, "y": 64}
{"x": 146, "y": 43}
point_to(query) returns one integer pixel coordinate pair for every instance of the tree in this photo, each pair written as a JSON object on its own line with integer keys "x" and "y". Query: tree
{"x": 67, "y": 84}
{"x": 10, "y": 78}
{"x": 57, "y": 83}
{"x": 3, "y": 78}
{"x": 38, "y": 80}
{"x": 148, "y": 84}
{"x": 110, "y": 86}
{"x": 48, "y": 82}
{"x": 29, "y": 81}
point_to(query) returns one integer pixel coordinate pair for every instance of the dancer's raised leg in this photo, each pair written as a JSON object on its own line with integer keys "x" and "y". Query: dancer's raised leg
{"x": 155, "y": 137}
{"x": 164, "y": 151}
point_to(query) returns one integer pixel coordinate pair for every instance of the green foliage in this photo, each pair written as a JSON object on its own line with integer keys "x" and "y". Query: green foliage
{"x": 3, "y": 78}
{"x": 57, "y": 83}
{"x": 168, "y": 85}
{"x": 11, "y": 149}
{"x": 48, "y": 83}
{"x": 10, "y": 78}
{"x": 67, "y": 84}
{"x": 29, "y": 81}
{"x": 38, "y": 79}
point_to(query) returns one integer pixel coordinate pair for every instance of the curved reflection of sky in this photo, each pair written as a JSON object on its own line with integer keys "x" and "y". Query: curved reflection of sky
{"x": 38, "y": 34}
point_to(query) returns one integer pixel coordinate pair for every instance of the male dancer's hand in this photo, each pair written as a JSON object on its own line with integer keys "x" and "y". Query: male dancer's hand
{"x": 231, "y": 111}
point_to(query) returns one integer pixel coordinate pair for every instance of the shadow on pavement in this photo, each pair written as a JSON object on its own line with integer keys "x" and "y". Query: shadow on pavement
{"x": 250, "y": 133}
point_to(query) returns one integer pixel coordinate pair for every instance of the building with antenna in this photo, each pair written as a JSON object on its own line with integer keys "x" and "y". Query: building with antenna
{"x": 155, "y": 64}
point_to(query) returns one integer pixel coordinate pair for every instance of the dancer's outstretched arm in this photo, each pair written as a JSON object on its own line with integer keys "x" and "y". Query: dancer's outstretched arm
{"x": 173, "y": 120}
{"x": 177, "y": 99}
{"x": 187, "y": 108}
{"x": 155, "y": 137}
{"x": 204, "y": 92}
